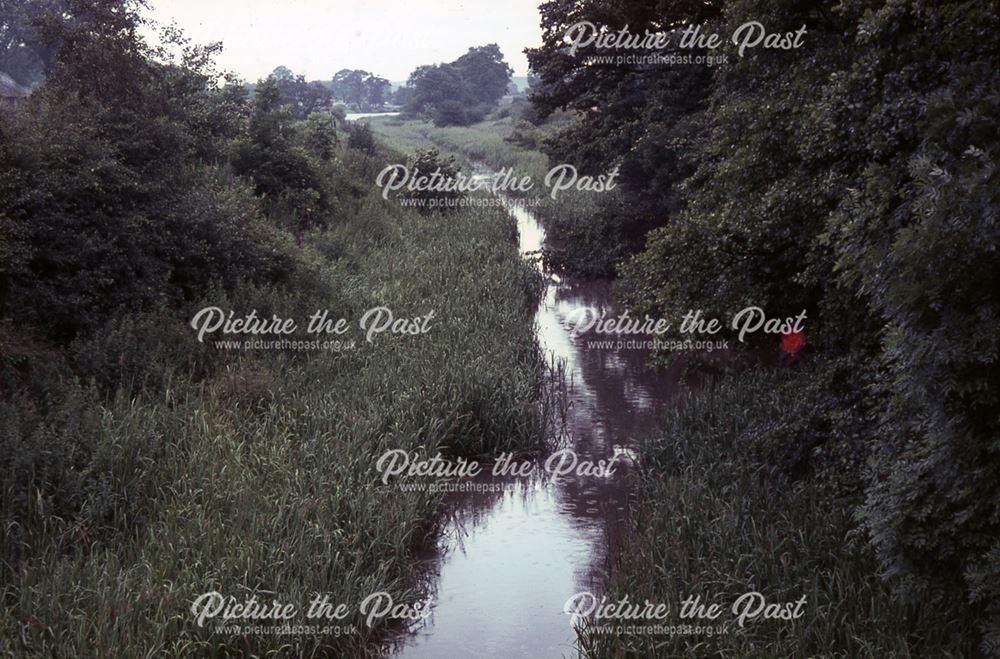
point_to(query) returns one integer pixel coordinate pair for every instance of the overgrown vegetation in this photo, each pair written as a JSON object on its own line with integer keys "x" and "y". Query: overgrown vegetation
{"x": 854, "y": 177}
{"x": 140, "y": 468}
{"x": 717, "y": 516}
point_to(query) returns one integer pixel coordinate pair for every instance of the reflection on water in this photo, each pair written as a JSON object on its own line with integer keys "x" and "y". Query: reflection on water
{"x": 509, "y": 560}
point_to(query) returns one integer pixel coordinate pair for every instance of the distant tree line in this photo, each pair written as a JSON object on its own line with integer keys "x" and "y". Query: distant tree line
{"x": 358, "y": 90}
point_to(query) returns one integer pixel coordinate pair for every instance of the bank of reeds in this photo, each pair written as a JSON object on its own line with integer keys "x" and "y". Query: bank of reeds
{"x": 120, "y": 510}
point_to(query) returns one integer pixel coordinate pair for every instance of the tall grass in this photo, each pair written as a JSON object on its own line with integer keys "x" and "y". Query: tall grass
{"x": 712, "y": 519}
{"x": 262, "y": 477}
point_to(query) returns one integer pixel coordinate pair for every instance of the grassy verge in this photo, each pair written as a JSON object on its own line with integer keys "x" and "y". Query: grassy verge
{"x": 260, "y": 478}
{"x": 715, "y": 518}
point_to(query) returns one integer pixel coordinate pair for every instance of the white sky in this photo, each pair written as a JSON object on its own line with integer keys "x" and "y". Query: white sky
{"x": 319, "y": 37}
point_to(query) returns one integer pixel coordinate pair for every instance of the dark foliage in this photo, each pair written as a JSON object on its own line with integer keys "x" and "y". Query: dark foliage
{"x": 461, "y": 92}
{"x": 111, "y": 193}
{"x": 856, "y": 178}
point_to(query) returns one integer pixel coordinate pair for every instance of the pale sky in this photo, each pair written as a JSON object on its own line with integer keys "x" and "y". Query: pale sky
{"x": 319, "y": 37}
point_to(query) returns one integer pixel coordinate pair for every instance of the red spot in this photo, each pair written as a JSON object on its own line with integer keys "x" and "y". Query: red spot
{"x": 793, "y": 342}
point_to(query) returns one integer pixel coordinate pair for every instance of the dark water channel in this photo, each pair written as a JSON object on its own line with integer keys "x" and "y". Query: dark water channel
{"x": 508, "y": 561}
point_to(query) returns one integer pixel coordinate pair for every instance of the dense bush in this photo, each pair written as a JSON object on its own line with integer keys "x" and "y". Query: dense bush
{"x": 360, "y": 137}
{"x": 113, "y": 196}
{"x": 855, "y": 178}
{"x": 280, "y": 168}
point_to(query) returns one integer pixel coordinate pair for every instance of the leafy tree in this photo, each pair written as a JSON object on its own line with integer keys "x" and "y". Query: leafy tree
{"x": 402, "y": 96}
{"x": 434, "y": 84}
{"x": 282, "y": 73}
{"x": 363, "y": 90}
{"x": 349, "y": 86}
{"x": 303, "y": 98}
{"x": 460, "y": 92}
{"x": 485, "y": 73}
{"x": 377, "y": 91}
{"x": 451, "y": 113}
{"x": 321, "y": 135}
{"x": 360, "y": 137}
{"x": 24, "y": 54}
{"x": 639, "y": 118}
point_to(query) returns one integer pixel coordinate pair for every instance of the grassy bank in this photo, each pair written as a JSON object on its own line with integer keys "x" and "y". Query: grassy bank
{"x": 120, "y": 509}
{"x": 716, "y": 516}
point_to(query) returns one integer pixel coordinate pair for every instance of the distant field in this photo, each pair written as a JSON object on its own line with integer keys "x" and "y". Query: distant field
{"x": 486, "y": 142}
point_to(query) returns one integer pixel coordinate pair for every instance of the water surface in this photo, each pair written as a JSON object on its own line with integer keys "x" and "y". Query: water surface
{"x": 507, "y": 562}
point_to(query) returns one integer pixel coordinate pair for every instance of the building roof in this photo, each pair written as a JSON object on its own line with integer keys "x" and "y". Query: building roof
{"x": 10, "y": 89}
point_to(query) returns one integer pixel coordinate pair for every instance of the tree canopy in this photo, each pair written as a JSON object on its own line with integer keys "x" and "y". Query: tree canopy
{"x": 361, "y": 89}
{"x": 460, "y": 92}
{"x": 303, "y": 98}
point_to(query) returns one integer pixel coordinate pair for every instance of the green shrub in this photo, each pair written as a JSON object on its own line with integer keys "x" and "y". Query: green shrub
{"x": 360, "y": 137}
